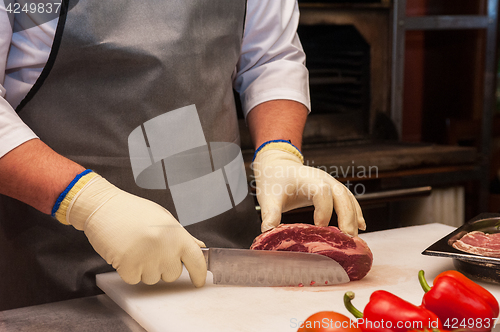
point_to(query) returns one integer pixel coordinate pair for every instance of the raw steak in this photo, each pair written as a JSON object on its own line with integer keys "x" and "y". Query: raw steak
{"x": 480, "y": 243}
{"x": 350, "y": 252}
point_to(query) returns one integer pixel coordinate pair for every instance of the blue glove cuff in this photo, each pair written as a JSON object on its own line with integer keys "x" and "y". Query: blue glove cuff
{"x": 65, "y": 192}
{"x": 297, "y": 152}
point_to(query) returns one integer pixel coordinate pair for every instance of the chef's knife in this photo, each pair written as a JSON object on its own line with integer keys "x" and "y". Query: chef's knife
{"x": 247, "y": 267}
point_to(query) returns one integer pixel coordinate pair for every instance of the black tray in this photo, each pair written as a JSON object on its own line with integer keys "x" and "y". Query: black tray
{"x": 474, "y": 266}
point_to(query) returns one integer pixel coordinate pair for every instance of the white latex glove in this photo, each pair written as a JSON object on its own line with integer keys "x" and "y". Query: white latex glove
{"x": 283, "y": 183}
{"x": 140, "y": 238}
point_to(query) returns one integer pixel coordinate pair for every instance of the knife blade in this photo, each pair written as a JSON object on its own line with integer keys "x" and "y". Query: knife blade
{"x": 247, "y": 267}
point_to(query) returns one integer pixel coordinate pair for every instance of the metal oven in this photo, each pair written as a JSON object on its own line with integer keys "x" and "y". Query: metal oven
{"x": 349, "y": 54}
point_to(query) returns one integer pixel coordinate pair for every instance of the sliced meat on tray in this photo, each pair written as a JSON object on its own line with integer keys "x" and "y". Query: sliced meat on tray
{"x": 350, "y": 252}
{"x": 480, "y": 243}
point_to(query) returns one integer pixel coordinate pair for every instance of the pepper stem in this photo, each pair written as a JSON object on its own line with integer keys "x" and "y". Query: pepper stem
{"x": 423, "y": 282}
{"x": 348, "y": 296}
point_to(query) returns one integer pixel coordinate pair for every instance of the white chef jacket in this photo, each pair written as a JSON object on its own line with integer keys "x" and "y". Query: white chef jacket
{"x": 271, "y": 64}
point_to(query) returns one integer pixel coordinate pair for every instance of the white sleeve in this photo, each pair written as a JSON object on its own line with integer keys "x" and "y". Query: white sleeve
{"x": 272, "y": 61}
{"x": 13, "y": 131}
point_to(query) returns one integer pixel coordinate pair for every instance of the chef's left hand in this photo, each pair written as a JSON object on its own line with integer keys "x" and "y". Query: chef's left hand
{"x": 283, "y": 183}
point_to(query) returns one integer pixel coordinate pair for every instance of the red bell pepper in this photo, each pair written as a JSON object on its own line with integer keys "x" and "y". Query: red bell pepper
{"x": 473, "y": 287}
{"x": 459, "y": 302}
{"x": 388, "y": 313}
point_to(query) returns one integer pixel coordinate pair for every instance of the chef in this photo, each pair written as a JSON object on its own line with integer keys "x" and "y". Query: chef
{"x": 74, "y": 88}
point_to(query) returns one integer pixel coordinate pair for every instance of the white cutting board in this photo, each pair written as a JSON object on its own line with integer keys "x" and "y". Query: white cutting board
{"x": 178, "y": 306}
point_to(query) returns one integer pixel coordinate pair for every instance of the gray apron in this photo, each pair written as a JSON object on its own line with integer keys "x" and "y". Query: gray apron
{"x": 114, "y": 65}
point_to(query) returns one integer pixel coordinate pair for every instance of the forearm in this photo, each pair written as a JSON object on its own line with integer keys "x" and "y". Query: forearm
{"x": 277, "y": 119}
{"x": 36, "y": 175}
{"x": 279, "y": 191}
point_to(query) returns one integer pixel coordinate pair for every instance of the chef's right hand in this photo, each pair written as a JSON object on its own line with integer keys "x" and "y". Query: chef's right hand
{"x": 141, "y": 239}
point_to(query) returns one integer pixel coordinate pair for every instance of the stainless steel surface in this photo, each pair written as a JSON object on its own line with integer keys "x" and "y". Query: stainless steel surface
{"x": 488, "y": 99}
{"x": 402, "y": 23}
{"x": 95, "y": 313}
{"x": 475, "y": 266}
{"x": 397, "y": 63}
{"x": 446, "y": 22}
{"x": 420, "y": 191}
{"x": 272, "y": 268}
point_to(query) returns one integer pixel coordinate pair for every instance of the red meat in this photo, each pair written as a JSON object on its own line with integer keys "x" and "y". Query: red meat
{"x": 350, "y": 252}
{"x": 480, "y": 243}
